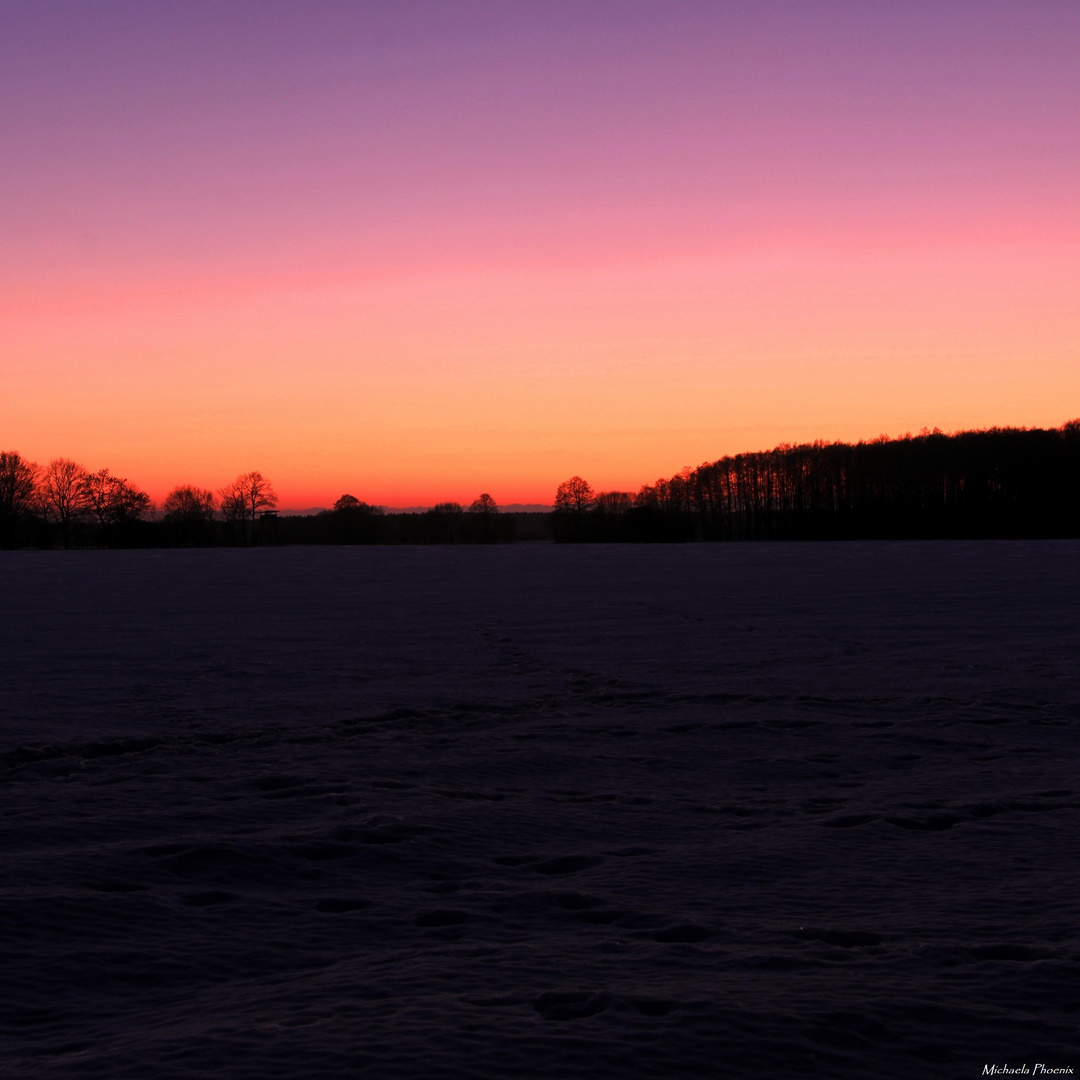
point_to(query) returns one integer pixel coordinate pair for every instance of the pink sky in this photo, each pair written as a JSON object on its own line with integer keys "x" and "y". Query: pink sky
{"x": 419, "y": 252}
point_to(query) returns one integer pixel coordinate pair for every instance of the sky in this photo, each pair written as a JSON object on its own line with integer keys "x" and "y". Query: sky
{"x": 417, "y": 251}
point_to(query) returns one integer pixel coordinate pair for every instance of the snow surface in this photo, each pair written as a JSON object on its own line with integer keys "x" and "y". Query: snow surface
{"x": 540, "y": 811}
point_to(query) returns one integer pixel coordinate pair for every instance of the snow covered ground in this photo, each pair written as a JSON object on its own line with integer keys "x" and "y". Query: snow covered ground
{"x": 538, "y": 811}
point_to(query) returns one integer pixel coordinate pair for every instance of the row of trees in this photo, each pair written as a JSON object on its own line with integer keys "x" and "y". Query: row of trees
{"x": 998, "y": 482}
{"x": 190, "y": 514}
{"x": 66, "y": 503}
{"x": 354, "y": 522}
{"x": 39, "y": 504}
{"x": 64, "y": 494}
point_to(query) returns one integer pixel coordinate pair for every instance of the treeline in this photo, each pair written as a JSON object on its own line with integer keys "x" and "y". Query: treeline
{"x": 66, "y": 505}
{"x": 355, "y": 522}
{"x": 1001, "y": 482}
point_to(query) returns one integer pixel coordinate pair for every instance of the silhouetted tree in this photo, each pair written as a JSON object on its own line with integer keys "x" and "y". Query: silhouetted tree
{"x": 244, "y": 498}
{"x": 574, "y": 495}
{"x": 189, "y": 512}
{"x": 354, "y": 522}
{"x": 234, "y": 510}
{"x": 63, "y": 494}
{"x": 258, "y": 492}
{"x": 18, "y": 484}
{"x": 573, "y": 499}
{"x": 483, "y": 524}
{"x": 442, "y": 524}
{"x": 613, "y": 502}
{"x": 607, "y": 520}
{"x": 484, "y": 504}
{"x": 113, "y": 501}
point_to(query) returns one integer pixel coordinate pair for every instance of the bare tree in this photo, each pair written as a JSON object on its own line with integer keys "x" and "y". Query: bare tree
{"x": 574, "y": 495}
{"x": 443, "y": 523}
{"x": 245, "y": 497}
{"x": 484, "y": 522}
{"x": 191, "y": 511}
{"x": 100, "y": 490}
{"x": 63, "y": 494}
{"x": 485, "y": 504}
{"x": 258, "y": 492}
{"x": 18, "y": 484}
{"x": 234, "y": 508}
{"x": 189, "y": 503}
{"x": 613, "y": 502}
{"x": 112, "y": 500}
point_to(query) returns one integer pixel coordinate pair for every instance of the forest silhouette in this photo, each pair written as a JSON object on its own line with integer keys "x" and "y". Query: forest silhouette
{"x": 994, "y": 483}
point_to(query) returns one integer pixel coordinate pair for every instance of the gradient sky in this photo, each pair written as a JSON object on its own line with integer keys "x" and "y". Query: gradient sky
{"x": 415, "y": 251}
